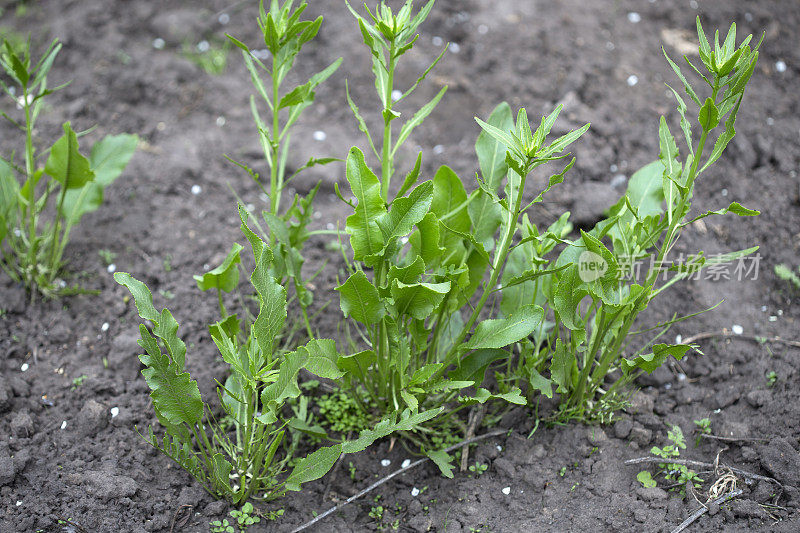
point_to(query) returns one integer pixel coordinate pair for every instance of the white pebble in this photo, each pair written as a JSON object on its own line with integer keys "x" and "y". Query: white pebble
{"x": 385, "y": 462}
{"x": 693, "y": 4}
{"x": 203, "y": 46}
{"x": 329, "y": 226}
{"x": 506, "y": 491}
{"x": 415, "y": 492}
{"x": 633, "y": 79}
{"x": 405, "y": 463}
{"x": 196, "y": 189}
{"x": 773, "y": 318}
{"x": 780, "y": 66}
{"x": 24, "y": 367}
{"x": 396, "y": 95}
{"x": 114, "y": 411}
{"x": 455, "y": 48}
{"x": 681, "y": 377}
{"x": 19, "y": 502}
{"x": 763, "y": 308}
{"x": 64, "y": 424}
{"x": 613, "y": 168}
{"x": 438, "y": 149}
{"x": 634, "y": 17}
{"x": 499, "y": 448}
{"x": 220, "y": 121}
{"x": 437, "y": 41}
{"x": 224, "y": 18}
{"x": 320, "y": 135}
{"x": 483, "y": 29}
{"x": 678, "y": 339}
{"x": 104, "y": 327}
{"x": 158, "y": 43}
{"x": 780, "y": 312}
{"x": 737, "y": 329}
{"x": 748, "y": 17}
{"x": 111, "y": 268}
{"x": 770, "y": 121}
{"x": 724, "y": 192}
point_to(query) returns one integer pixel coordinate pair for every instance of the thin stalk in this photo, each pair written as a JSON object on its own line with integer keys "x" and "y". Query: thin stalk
{"x": 274, "y": 186}
{"x": 386, "y": 153}
{"x": 29, "y": 163}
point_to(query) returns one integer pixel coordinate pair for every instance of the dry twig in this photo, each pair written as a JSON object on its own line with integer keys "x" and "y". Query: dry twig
{"x": 703, "y": 510}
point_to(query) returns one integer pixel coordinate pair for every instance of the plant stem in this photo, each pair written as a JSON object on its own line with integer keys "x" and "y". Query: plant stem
{"x": 386, "y": 155}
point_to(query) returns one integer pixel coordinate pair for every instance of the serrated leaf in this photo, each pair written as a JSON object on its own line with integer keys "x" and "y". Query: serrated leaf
{"x": 321, "y": 358}
{"x": 418, "y": 300}
{"x": 406, "y": 212}
{"x": 650, "y": 362}
{"x": 443, "y": 460}
{"x": 313, "y": 466}
{"x": 366, "y": 237}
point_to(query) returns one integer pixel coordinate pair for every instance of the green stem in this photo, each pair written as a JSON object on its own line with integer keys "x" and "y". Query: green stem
{"x": 29, "y": 170}
{"x": 387, "y": 164}
{"x": 274, "y": 186}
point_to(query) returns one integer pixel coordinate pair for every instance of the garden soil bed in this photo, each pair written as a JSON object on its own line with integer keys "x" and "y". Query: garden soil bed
{"x": 64, "y": 458}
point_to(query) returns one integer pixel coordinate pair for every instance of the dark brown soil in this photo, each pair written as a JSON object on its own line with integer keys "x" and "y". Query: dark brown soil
{"x": 62, "y": 455}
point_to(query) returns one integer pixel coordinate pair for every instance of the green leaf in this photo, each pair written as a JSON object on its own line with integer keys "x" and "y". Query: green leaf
{"x": 313, "y": 466}
{"x": 366, "y": 237}
{"x": 406, "y": 212}
{"x": 539, "y": 382}
{"x": 646, "y": 479}
{"x": 357, "y": 364}
{"x": 65, "y": 164}
{"x": 110, "y": 156}
{"x": 443, "y": 460}
{"x": 499, "y": 333}
{"x": 418, "y": 299}
{"x": 425, "y": 241}
{"x": 417, "y": 119}
{"x": 724, "y": 138}
{"x": 321, "y": 358}
{"x": 735, "y": 207}
{"x": 709, "y": 115}
{"x": 491, "y": 153}
{"x": 406, "y": 422}
{"x": 225, "y": 277}
{"x": 650, "y": 362}
{"x": 561, "y": 365}
{"x": 285, "y": 386}
{"x": 359, "y": 299}
{"x": 472, "y": 367}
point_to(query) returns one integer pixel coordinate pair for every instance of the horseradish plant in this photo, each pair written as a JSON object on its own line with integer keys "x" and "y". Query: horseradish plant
{"x": 590, "y": 289}
{"x": 250, "y": 461}
{"x": 420, "y": 257}
{"x": 31, "y": 244}
{"x": 284, "y": 35}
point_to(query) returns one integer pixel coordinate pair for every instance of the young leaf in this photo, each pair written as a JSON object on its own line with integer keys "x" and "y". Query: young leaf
{"x": 443, "y": 460}
{"x": 366, "y": 237}
{"x": 650, "y": 362}
{"x": 225, "y": 277}
{"x": 359, "y": 299}
{"x": 65, "y": 164}
{"x": 499, "y": 333}
{"x": 418, "y": 299}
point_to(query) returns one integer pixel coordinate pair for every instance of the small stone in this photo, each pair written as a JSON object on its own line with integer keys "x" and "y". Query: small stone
{"x": 634, "y": 17}
{"x": 24, "y": 367}
{"x": 640, "y": 403}
{"x": 114, "y": 411}
{"x": 415, "y": 492}
{"x": 737, "y": 329}
{"x": 385, "y": 462}
{"x": 632, "y": 80}
{"x": 506, "y": 491}
{"x": 107, "y": 486}
{"x": 92, "y": 418}
{"x": 319, "y": 135}
{"x": 22, "y": 425}
{"x": 196, "y": 189}
{"x": 623, "y": 428}
{"x": 641, "y": 435}
{"x": 780, "y": 66}
{"x": 405, "y": 463}
{"x": 215, "y": 508}
{"x": 758, "y": 398}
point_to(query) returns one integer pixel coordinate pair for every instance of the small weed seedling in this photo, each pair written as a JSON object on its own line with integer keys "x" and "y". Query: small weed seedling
{"x": 211, "y": 56}
{"x": 678, "y": 474}
{"x": 31, "y": 248}
{"x": 772, "y": 377}
{"x": 77, "y": 382}
{"x": 284, "y": 35}
{"x": 107, "y": 256}
{"x": 703, "y": 428}
{"x": 478, "y": 468}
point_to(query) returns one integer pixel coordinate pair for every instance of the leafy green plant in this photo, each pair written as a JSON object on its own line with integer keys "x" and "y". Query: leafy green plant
{"x": 107, "y": 256}
{"x": 646, "y": 479}
{"x": 478, "y": 468}
{"x": 246, "y": 462}
{"x": 788, "y": 275}
{"x": 211, "y": 56}
{"x": 243, "y": 516}
{"x": 31, "y": 247}
{"x": 284, "y": 36}
{"x": 679, "y": 474}
{"x": 703, "y": 428}
{"x": 590, "y": 289}
{"x": 772, "y": 377}
{"x": 417, "y": 259}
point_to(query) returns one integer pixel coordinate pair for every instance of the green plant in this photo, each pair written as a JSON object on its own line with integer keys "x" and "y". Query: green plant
{"x": 590, "y": 289}
{"x": 78, "y": 381}
{"x": 221, "y": 526}
{"x": 646, "y": 479}
{"x": 284, "y": 36}
{"x": 376, "y": 513}
{"x": 243, "y": 516}
{"x": 262, "y": 381}
{"x": 212, "y": 56}
{"x": 786, "y": 274}
{"x": 352, "y": 469}
{"x": 107, "y": 256}
{"x": 703, "y": 428}
{"x": 772, "y": 377}
{"x": 679, "y": 474}
{"x": 428, "y": 252}
{"x": 34, "y": 247}
{"x": 478, "y": 468}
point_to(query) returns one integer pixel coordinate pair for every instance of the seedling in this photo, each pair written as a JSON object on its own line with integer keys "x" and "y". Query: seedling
{"x": 772, "y": 377}
{"x": 243, "y": 516}
{"x": 77, "y": 382}
{"x": 211, "y": 56}
{"x": 679, "y": 474}
{"x": 31, "y": 247}
{"x": 646, "y": 479}
{"x": 478, "y": 468}
{"x": 284, "y": 35}
{"x": 107, "y": 256}
{"x": 703, "y": 428}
